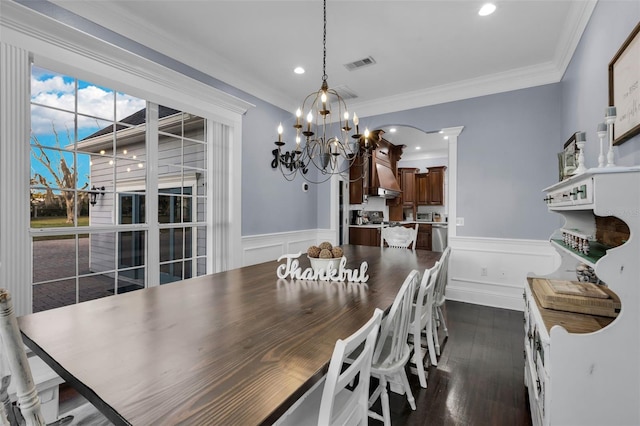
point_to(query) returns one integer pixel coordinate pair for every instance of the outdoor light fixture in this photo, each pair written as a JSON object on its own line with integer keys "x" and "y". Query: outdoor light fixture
{"x": 93, "y": 194}
{"x": 322, "y": 139}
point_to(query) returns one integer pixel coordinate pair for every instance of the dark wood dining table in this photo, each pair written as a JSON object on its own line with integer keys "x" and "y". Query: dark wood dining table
{"x": 232, "y": 348}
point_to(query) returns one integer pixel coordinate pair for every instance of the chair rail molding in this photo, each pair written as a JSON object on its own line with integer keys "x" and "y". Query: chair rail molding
{"x": 492, "y": 271}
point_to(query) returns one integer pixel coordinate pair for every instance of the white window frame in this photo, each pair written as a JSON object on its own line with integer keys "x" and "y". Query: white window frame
{"x": 53, "y": 45}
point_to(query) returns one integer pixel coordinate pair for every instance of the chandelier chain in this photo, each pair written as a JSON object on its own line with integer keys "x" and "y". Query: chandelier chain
{"x": 324, "y": 44}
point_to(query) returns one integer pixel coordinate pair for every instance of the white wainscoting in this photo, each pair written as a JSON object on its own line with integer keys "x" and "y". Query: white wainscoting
{"x": 493, "y": 271}
{"x": 507, "y": 263}
{"x": 266, "y": 247}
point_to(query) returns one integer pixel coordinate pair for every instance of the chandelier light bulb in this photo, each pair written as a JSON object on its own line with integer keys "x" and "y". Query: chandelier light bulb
{"x": 346, "y": 116}
{"x": 323, "y": 97}
{"x": 280, "y": 130}
{"x": 298, "y": 115}
{"x": 355, "y": 119}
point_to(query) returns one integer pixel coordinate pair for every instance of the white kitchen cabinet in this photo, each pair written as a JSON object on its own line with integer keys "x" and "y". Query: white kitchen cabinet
{"x": 593, "y": 377}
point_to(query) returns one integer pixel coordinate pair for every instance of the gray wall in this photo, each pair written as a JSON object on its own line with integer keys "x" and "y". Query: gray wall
{"x": 506, "y": 155}
{"x": 585, "y": 93}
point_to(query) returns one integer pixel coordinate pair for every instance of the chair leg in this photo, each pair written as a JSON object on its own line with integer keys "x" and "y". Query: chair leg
{"x": 434, "y": 326}
{"x": 407, "y": 389}
{"x": 430, "y": 343}
{"x": 384, "y": 401}
{"x": 419, "y": 362}
{"x": 444, "y": 324}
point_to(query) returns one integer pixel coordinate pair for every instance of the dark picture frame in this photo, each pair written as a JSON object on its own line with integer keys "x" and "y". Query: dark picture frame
{"x": 624, "y": 88}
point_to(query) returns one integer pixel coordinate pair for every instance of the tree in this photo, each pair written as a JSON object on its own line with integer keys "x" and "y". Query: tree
{"x": 64, "y": 177}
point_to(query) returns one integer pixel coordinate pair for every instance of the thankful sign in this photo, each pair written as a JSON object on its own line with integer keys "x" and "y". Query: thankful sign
{"x": 332, "y": 273}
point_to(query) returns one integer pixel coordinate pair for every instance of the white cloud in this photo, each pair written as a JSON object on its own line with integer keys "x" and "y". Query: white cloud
{"x": 92, "y": 100}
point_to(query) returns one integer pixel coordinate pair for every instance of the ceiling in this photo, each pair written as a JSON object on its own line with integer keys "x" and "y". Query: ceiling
{"x": 425, "y": 51}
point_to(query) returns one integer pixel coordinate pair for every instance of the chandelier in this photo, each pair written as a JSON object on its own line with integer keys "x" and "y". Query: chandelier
{"x": 322, "y": 135}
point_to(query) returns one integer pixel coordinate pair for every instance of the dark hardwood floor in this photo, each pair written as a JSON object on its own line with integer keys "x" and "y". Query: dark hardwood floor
{"x": 479, "y": 378}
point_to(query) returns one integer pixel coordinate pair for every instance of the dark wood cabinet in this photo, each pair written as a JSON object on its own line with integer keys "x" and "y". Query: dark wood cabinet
{"x": 430, "y": 187}
{"x": 356, "y": 182}
{"x": 424, "y": 237}
{"x": 364, "y": 236}
{"x": 408, "y": 185}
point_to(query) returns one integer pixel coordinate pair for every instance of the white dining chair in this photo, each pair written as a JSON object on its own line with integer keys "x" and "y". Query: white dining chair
{"x": 439, "y": 298}
{"x": 337, "y": 403}
{"x": 399, "y": 236}
{"x": 392, "y": 350}
{"x": 16, "y": 359}
{"x": 14, "y": 365}
{"x": 421, "y": 331}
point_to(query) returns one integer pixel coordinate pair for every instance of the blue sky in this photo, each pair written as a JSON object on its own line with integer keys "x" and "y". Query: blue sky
{"x": 61, "y": 102}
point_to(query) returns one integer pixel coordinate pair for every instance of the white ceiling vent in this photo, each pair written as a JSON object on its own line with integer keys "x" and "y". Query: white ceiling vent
{"x": 345, "y": 92}
{"x": 360, "y": 63}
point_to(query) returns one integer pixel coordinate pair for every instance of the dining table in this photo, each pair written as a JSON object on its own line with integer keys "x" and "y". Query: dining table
{"x": 237, "y": 347}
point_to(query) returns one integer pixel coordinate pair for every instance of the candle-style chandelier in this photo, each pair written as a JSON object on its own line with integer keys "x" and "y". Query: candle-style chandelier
{"x": 323, "y": 142}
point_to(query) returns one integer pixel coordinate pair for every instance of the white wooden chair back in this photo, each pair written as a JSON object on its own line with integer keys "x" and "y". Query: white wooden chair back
{"x": 443, "y": 277}
{"x": 16, "y": 357}
{"x": 421, "y": 320}
{"x": 395, "y": 326}
{"x": 351, "y": 407}
{"x": 399, "y": 236}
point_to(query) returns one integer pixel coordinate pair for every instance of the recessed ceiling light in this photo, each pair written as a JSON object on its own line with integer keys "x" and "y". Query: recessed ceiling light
{"x": 298, "y": 70}
{"x": 392, "y": 129}
{"x": 487, "y": 9}
{"x": 417, "y": 148}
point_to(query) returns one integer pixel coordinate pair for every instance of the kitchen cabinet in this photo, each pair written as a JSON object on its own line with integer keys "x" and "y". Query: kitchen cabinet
{"x": 364, "y": 236}
{"x": 430, "y": 187}
{"x": 424, "y": 237}
{"x": 357, "y": 182}
{"x": 583, "y": 369}
{"x": 407, "y": 185}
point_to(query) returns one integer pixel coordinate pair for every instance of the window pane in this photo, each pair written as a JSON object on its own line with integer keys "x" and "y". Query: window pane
{"x": 94, "y": 133}
{"x": 95, "y": 287}
{"x": 54, "y": 294}
{"x": 51, "y": 88}
{"x": 130, "y": 109}
{"x": 130, "y": 280}
{"x": 97, "y": 253}
{"x": 54, "y": 258}
{"x": 131, "y": 249}
{"x": 51, "y": 127}
{"x": 195, "y": 127}
{"x": 96, "y": 101}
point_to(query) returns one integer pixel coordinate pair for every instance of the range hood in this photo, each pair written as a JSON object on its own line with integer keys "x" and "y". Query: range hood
{"x": 388, "y": 184}
{"x": 381, "y": 180}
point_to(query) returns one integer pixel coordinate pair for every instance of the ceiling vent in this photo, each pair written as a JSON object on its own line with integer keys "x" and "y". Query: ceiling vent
{"x": 360, "y": 63}
{"x": 345, "y": 92}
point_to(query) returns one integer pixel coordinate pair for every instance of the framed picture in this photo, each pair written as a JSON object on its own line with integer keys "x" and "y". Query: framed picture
{"x": 567, "y": 159}
{"x": 624, "y": 88}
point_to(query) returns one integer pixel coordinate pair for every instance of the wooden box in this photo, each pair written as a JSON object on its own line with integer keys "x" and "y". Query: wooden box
{"x": 550, "y": 299}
